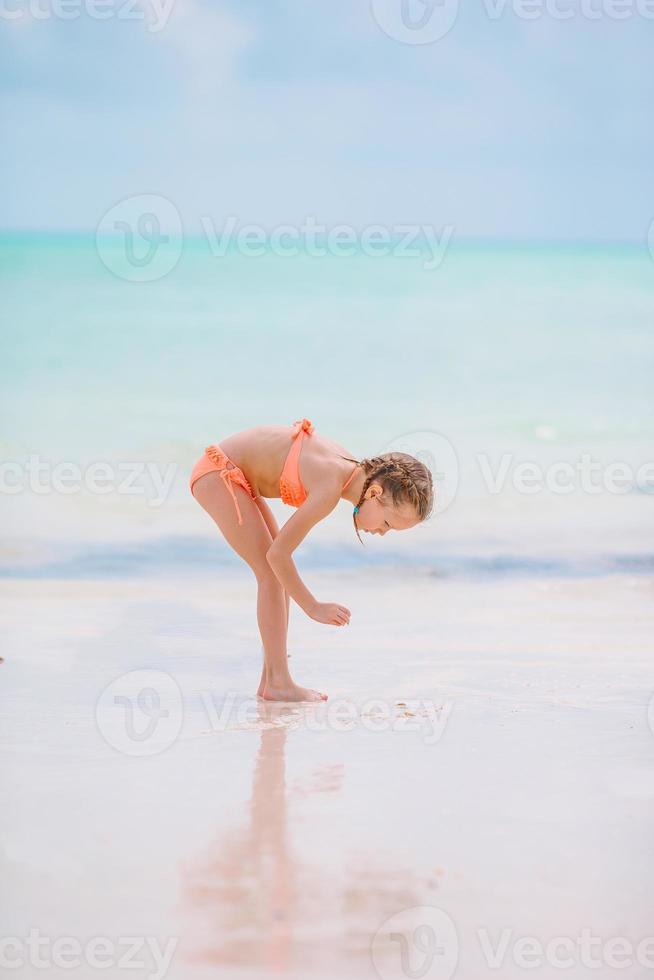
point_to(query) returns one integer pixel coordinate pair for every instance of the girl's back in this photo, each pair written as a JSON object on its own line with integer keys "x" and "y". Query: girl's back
{"x": 261, "y": 453}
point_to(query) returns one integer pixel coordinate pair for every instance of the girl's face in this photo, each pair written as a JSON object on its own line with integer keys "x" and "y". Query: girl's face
{"x": 378, "y": 515}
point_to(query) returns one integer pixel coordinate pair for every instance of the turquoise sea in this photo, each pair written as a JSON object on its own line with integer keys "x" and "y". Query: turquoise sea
{"x": 504, "y": 356}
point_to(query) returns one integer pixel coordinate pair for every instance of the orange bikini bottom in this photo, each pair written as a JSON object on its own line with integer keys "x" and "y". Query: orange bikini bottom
{"x": 214, "y": 460}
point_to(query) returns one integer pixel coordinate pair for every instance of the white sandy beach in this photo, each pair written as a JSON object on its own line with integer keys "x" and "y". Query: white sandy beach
{"x": 504, "y": 777}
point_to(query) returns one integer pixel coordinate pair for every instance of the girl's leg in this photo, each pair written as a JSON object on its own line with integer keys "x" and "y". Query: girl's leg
{"x": 273, "y": 527}
{"x": 251, "y": 541}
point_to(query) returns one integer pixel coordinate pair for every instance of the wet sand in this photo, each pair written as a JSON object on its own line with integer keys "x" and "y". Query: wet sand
{"x": 488, "y": 755}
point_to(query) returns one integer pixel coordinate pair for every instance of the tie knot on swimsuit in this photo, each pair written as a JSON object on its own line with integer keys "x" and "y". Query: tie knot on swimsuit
{"x": 302, "y": 425}
{"x": 229, "y": 473}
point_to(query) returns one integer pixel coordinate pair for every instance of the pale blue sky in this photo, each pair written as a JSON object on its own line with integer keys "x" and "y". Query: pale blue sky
{"x": 273, "y": 110}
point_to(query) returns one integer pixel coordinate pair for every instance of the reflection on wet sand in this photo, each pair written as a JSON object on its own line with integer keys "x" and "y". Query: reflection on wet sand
{"x": 255, "y": 901}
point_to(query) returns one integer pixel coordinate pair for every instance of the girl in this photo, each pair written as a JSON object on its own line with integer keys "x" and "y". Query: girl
{"x": 390, "y": 492}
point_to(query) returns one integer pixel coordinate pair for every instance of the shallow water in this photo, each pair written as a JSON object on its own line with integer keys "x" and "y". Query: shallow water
{"x": 503, "y": 356}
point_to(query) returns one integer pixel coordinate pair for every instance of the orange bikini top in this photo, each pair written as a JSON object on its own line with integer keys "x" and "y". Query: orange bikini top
{"x": 290, "y": 485}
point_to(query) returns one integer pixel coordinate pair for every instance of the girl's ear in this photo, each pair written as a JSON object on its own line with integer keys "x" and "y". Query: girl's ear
{"x": 374, "y": 490}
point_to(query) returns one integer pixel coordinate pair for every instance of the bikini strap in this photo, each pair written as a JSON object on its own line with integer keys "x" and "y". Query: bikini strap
{"x": 350, "y": 478}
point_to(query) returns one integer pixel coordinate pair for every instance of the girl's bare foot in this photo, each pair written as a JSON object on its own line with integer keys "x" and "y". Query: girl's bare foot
{"x": 292, "y": 692}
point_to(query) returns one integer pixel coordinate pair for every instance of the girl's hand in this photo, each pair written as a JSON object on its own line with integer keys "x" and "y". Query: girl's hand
{"x": 331, "y": 613}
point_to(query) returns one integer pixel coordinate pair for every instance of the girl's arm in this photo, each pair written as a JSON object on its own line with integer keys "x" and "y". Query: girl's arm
{"x": 316, "y": 507}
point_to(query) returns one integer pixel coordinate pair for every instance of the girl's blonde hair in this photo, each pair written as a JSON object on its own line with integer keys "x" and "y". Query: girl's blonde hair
{"x": 404, "y": 478}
